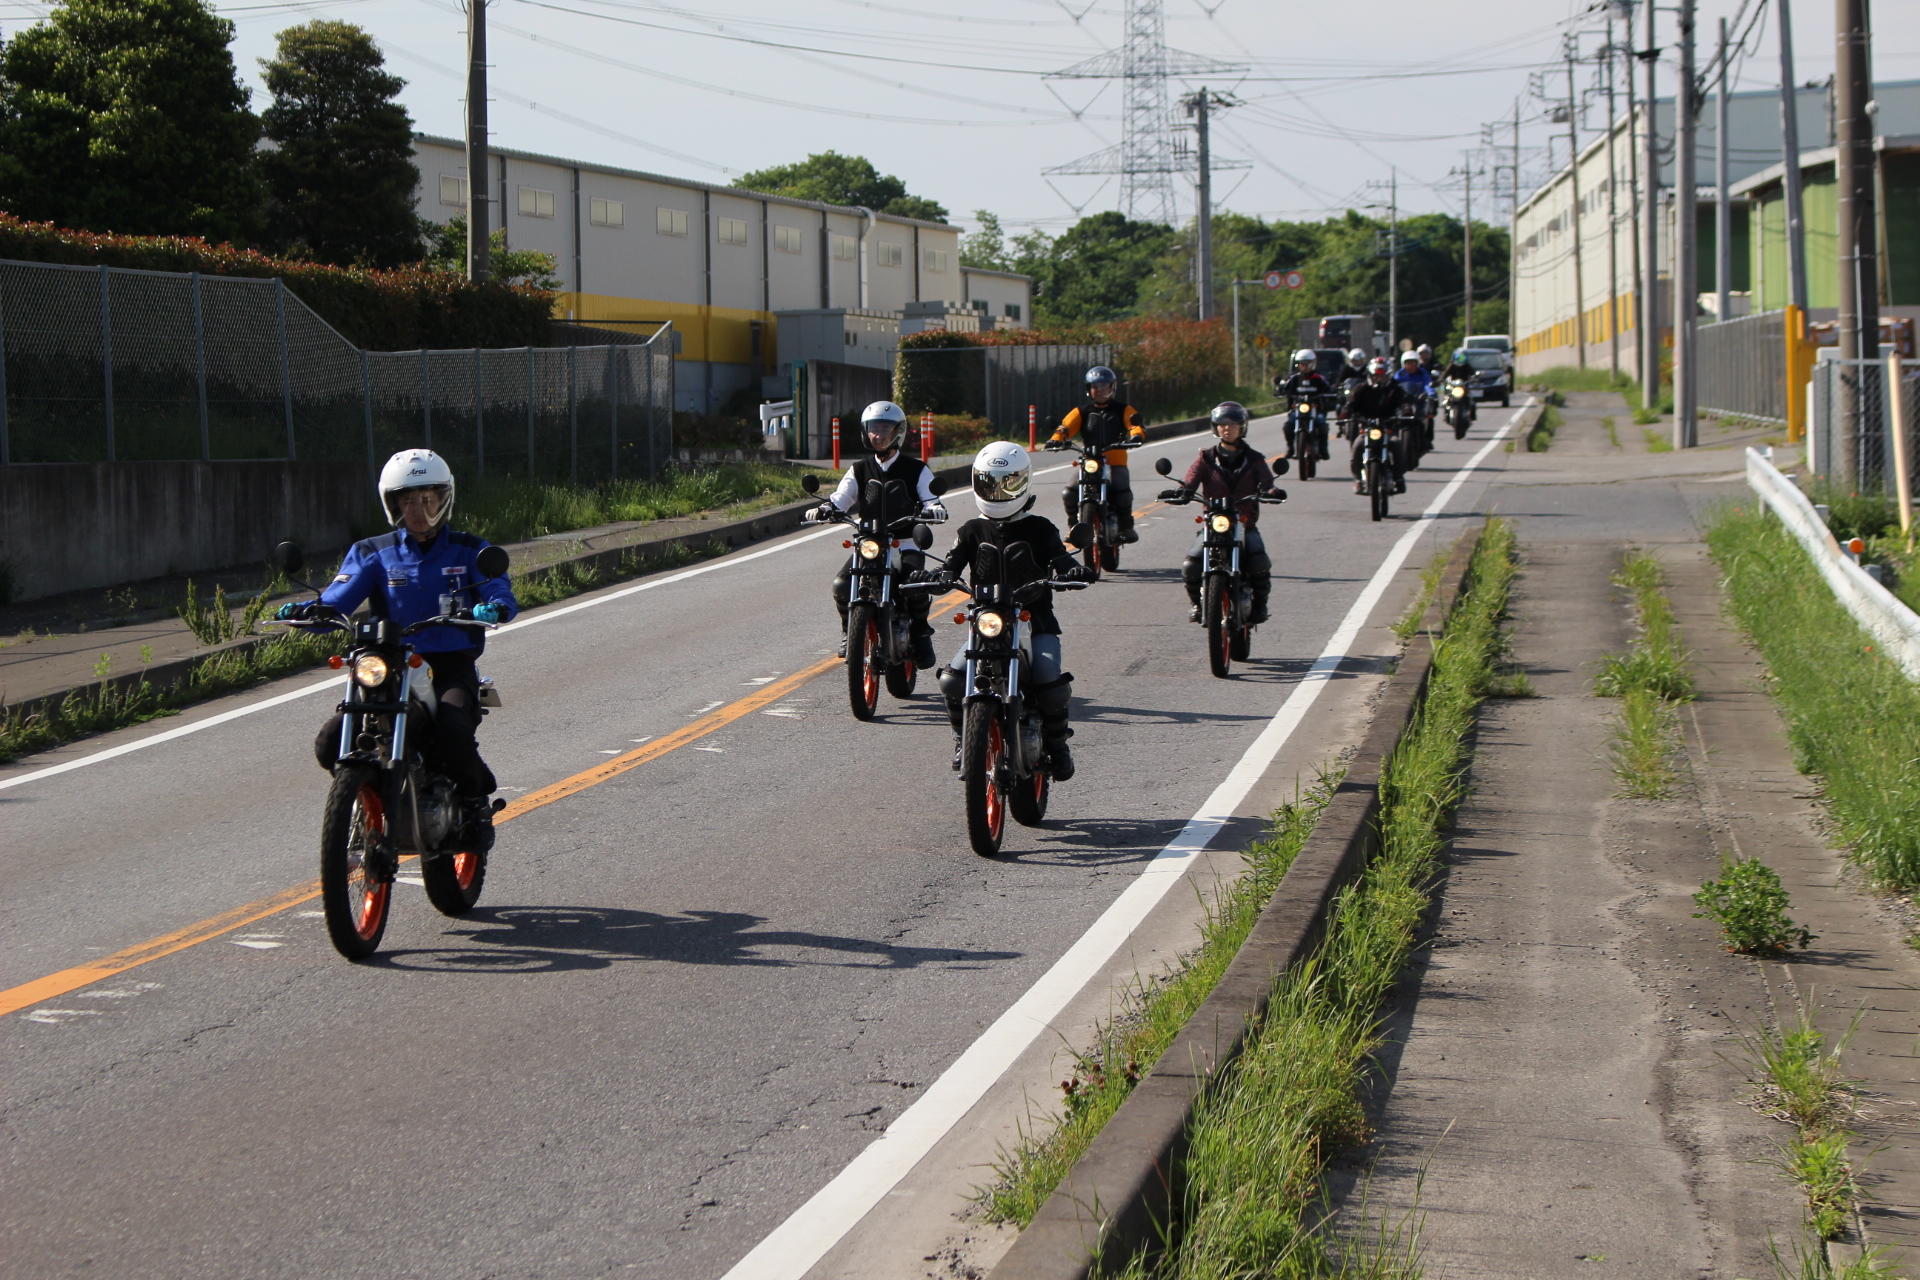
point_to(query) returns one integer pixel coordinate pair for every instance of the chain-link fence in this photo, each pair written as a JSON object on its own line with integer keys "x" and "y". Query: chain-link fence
{"x": 998, "y": 383}
{"x": 103, "y": 364}
{"x": 1850, "y": 428}
{"x": 1743, "y": 367}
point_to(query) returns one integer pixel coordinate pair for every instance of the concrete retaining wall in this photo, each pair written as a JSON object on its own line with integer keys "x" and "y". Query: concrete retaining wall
{"x": 68, "y": 527}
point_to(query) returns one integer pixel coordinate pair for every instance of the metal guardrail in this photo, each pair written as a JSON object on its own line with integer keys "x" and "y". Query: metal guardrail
{"x": 1743, "y": 367}
{"x": 106, "y": 364}
{"x": 1894, "y": 626}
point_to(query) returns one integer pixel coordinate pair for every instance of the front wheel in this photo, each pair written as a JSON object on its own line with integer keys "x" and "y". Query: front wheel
{"x": 1216, "y": 608}
{"x": 356, "y": 862}
{"x": 864, "y": 661}
{"x": 1093, "y": 554}
{"x": 1109, "y": 554}
{"x": 1460, "y": 427}
{"x": 1376, "y": 484}
{"x": 983, "y": 749}
{"x": 1307, "y": 460}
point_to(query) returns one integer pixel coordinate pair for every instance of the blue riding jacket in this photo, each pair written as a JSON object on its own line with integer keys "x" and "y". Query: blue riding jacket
{"x": 407, "y": 582}
{"x": 1419, "y": 381}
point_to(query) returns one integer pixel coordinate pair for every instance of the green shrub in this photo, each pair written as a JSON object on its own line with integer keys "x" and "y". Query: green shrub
{"x": 1749, "y": 904}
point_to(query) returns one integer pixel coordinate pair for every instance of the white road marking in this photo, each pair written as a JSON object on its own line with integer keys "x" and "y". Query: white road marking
{"x": 415, "y": 881}
{"x": 615, "y": 752}
{"x": 719, "y": 751}
{"x": 258, "y": 944}
{"x": 792, "y": 710}
{"x": 758, "y": 680}
{"x": 711, "y": 706}
{"x": 118, "y": 993}
{"x": 816, "y": 1226}
{"x": 54, "y": 1017}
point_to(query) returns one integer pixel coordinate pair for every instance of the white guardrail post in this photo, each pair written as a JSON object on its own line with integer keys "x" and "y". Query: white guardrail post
{"x": 1893, "y": 626}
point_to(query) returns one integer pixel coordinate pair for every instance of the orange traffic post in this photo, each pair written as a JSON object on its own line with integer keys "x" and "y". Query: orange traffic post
{"x": 1033, "y": 427}
{"x": 926, "y": 436}
{"x": 836, "y": 444}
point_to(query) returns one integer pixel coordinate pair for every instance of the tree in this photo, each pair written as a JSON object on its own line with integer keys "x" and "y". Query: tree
{"x": 1095, "y": 270}
{"x": 446, "y": 245}
{"x": 126, "y": 115}
{"x": 340, "y": 179}
{"x": 987, "y": 247}
{"x": 832, "y": 178}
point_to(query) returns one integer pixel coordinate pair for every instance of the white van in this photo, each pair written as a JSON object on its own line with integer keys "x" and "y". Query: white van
{"x": 1501, "y": 342}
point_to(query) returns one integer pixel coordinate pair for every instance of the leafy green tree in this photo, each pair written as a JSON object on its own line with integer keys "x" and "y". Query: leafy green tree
{"x": 987, "y": 247}
{"x": 446, "y": 245}
{"x": 126, "y": 115}
{"x": 832, "y": 178}
{"x": 340, "y": 179}
{"x": 1095, "y": 270}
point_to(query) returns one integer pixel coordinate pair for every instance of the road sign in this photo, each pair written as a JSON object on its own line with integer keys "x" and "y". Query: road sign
{"x": 1262, "y": 341}
{"x": 1293, "y": 280}
{"x": 1273, "y": 280}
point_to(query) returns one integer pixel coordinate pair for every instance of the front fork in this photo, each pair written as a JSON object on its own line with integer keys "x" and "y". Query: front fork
{"x": 1013, "y": 757}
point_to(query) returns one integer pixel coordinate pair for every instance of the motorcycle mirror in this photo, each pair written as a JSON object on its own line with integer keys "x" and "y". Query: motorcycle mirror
{"x": 810, "y": 482}
{"x": 937, "y": 485}
{"x": 1082, "y": 532}
{"x": 492, "y": 561}
{"x": 922, "y": 536}
{"x": 1280, "y": 465}
{"x": 287, "y": 558}
{"x": 1163, "y": 466}
{"x": 1280, "y": 494}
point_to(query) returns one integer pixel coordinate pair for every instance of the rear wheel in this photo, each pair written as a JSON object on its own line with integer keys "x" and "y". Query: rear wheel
{"x": 1216, "y": 607}
{"x": 1242, "y": 644}
{"x": 454, "y": 880}
{"x": 901, "y": 677}
{"x": 863, "y": 661}
{"x": 982, "y": 749}
{"x": 356, "y": 862}
{"x": 1028, "y": 798}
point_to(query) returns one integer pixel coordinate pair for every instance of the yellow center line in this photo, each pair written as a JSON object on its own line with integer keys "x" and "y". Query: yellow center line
{"x": 14, "y": 999}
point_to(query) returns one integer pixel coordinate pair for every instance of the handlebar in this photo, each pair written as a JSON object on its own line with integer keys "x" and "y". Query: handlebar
{"x": 334, "y": 620}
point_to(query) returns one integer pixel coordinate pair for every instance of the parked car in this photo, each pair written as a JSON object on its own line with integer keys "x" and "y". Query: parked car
{"x": 1501, "y": 342}
{"x": 1492, "y": 375}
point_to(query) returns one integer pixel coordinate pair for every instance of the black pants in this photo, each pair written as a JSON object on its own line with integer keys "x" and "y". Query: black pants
{"x": 912, "y": 604}
{"x": 450, "y": 743}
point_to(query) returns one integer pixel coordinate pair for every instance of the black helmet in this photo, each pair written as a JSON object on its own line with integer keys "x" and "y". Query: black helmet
{"x": 1100, "y": 373}
{"x": 1229, "y": 411}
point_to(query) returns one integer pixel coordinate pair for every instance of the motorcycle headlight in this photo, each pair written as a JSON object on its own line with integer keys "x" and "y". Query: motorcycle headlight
{"x": 1220, "y": 523}
{"x": 990, "y": 624}
{"x": 1374, "y": 433}
{"x": 869, "y": 549}
{"x": 370, "y": 669}
{"x": 1303, "y": 407}
{"x": 1091, "y": 466}
{"x": 1456, "y": 392}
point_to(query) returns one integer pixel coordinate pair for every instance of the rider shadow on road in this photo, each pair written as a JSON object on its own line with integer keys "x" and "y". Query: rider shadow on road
{"x": 1094, "y": 842}
{"x": 564, "y": 939}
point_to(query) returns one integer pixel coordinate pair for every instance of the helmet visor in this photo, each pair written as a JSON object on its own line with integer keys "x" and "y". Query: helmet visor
{"x": 1000, "y": 486}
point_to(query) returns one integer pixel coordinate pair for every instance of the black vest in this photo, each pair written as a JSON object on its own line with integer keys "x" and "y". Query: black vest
{"x": 905, "y": 471}
{"x": 1104, "y": 426}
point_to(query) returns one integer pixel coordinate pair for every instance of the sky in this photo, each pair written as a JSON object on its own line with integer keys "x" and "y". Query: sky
{"x": 956, "y": 100}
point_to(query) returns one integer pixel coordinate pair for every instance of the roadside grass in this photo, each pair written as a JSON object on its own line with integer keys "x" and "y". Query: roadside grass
{"x": 1875, "y": 519}
{"x": 1150, "y": 1017}
{"x": 1613, "y": 436}
{"x": 1656, "y": 441}
{"x": 1253, "y": 1203}
{"x": 511, "y": 510}
{"x": 1650, "y": 680}
{"x": 1568, "y": 378}
{"x": 1409, "y": 622}
{"x": 1852, "y": 715}
{"x": 1797, "y": 1079}
{"x": 1540, "y": 439}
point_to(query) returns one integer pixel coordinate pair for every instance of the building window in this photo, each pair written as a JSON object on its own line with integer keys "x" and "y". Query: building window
{"x": 606, "y": 213}
{"x": 535, "y": 203}
{"x": 935, "y": 259}
{"x": 453, "y": 190}
{"x": 670, "y": 222}
{"x": 1013, "y": 311}
{"x": 733, "y": 231}
{"x": 843, "y": 248}
{"x": 890, "y": 255}
{"x": 980, "y": 305}
{"x": 786, "y": 239}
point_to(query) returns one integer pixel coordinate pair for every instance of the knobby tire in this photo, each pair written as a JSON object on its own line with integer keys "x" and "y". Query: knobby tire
{"x": 982, "y": 749}
{"x": 356, "y": 889}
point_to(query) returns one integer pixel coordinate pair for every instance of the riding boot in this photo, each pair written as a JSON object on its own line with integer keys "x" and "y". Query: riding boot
{"x": 1070, "y": 501}
{"x": 1190, "y": 573}
{"x": 953, "y": 687}
{"x": 1053, "y": 701}
{"x": 1262, "y": 586}
{"x": 476, "y": 816}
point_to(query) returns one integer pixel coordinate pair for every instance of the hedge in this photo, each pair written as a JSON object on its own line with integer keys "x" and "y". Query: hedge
{"x": 398, "y": 309}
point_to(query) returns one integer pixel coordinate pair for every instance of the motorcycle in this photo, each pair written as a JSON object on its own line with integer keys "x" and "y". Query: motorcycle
{"x": 1003, "y": 764}
{"x": 1226, "y": 597}
{"x": 879, "y": 633}
{"x": 1459, "y": 402}
{"x": 1381, "y": 440}
{"x": 1100, "y": 549}
{"x": 389, "y": 800}
{"x": 1306, "y": 434}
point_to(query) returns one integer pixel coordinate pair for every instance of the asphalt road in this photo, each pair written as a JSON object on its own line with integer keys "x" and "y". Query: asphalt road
{"x": 692, "y": 993}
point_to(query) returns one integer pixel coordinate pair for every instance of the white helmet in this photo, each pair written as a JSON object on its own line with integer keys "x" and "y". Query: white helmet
{"x": 1003, "y": 480}
{"x": 416, "y": 469}
{"x": 884, "y": 415}
{"x": 1424, "y": 351}
{"x": 1406, "y": 356}
{"x": 1305, "y": 356}
{"x": 1357, "y": 358}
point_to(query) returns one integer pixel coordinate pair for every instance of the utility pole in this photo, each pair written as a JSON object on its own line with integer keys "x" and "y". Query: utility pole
{"x": 1466, "y": 227}
{"x": 1393, "y": 261}
{"x": 1613, "y": 214}
{"x": 1650, "y": 286}
{"x": 1196, "y": 105}
{"x": 1573, "y": 173}
{"x": 1686, "y": 230}
{"x": 1790, "y": 148}
{"x": 478, "y": 229}
{"x": 1722, "y": 211}
{"x": 1642, "y": 316}
{"x": 1859, "y": 323}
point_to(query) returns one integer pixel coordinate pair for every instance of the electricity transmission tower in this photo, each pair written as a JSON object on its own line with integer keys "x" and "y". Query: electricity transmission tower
{"x": 1151, "y": 149}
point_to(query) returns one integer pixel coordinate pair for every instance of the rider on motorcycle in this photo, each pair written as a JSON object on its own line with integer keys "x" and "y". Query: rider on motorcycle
{"x": 1112, "y": 425}
{"x": 1307, "y": 382}
{"x": 884, "y": 423}
{"x": 1416, "y": 382}
{"x": 1356, "y": 370}
{"x": 1425, "y": 352}
{"x": 1459, "y": 368}
{"x": 1379, "y": 399}
{"x": 1231, "y": 470}
{"x": 1003, "y": 486}
{"x": 421, "y": 570}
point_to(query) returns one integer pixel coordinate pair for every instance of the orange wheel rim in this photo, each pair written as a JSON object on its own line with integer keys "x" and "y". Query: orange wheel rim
{"x": 465, "y": 866}
{"x": 368, "y": 895}
{"x": 870, "y": 671}
{"x": 996, "y": 815}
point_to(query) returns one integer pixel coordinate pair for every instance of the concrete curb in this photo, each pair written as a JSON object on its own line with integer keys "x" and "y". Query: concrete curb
{"x": 1126, "y": 1185}
{"x": 167, "y": 676}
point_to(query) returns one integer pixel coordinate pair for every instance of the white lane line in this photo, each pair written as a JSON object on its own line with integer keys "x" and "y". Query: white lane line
{"x": 816, "y": 1226}
{"x": 726, "y": 562}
